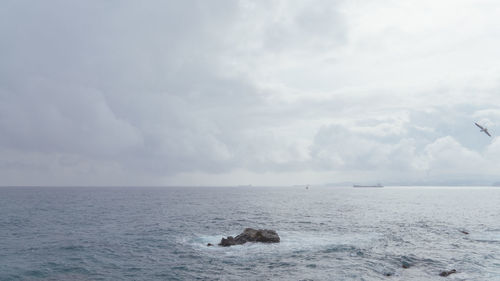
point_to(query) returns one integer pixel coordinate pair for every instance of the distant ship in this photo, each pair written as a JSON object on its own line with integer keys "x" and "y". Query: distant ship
{"x": 377, "y": 185}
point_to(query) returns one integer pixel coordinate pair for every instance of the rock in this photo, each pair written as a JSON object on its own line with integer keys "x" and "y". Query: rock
{"x": 464, "y": 232}
{"x": 209, "y": 244}
{"x": 251, "y": 235}
{"x": 405, "y": 264}
{"x": 261, "y": 235}
{"x": 446, "y": 273}
{"x": 226, "y": 242}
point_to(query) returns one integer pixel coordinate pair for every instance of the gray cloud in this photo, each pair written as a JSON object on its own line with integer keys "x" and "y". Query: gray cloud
{"x": 121, "y": 92}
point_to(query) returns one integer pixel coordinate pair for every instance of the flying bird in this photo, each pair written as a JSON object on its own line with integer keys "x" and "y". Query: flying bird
{"x": 483, "y": 129}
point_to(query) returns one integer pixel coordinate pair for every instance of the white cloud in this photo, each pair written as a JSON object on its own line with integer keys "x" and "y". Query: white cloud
{"x": 446, "y": 155}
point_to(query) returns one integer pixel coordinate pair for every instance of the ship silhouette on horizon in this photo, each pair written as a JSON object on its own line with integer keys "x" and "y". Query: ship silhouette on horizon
{"x": 359, "y": 185}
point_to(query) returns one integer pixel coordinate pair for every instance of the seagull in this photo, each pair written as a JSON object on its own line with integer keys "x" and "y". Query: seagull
{"x": 483, "y": 129}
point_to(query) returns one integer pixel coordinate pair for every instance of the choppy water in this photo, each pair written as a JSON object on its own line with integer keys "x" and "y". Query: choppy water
{"x": 327, "y": 233}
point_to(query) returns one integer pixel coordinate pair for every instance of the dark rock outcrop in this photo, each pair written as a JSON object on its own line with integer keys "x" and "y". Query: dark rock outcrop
{"x": 251, "y": 235}
{"x": 226, "y": 242}
{"x": 209, "y": 244}
{"x": 446, "y": 273}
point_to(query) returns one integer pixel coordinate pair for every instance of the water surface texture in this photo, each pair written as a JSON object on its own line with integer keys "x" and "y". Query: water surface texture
{"x": 160, "y": 233}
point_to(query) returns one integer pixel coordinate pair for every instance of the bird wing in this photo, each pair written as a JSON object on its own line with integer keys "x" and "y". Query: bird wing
{"x": 486, "y": 131}
{"x": 479, "y": 126}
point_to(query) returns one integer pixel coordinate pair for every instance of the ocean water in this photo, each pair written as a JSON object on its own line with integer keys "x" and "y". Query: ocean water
{"x": 327, "y": 233}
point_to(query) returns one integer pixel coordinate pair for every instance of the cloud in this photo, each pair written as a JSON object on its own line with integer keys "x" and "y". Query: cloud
{"x": 121, "y": 92}
{"x": 63, "y": 118}
{"x": 449, "y": 156}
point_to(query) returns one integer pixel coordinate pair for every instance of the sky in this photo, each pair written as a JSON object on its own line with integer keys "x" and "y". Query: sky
{"x": 123, "y": 92}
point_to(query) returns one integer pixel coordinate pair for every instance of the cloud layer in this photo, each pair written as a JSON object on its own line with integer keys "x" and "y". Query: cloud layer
{"x": 238, "y": 92}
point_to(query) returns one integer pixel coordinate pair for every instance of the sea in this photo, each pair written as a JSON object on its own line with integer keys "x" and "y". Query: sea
{"x": 327, "y": 233}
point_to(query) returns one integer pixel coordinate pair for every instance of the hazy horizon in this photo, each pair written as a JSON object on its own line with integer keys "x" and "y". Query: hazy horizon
{"x": 460, "y": 183}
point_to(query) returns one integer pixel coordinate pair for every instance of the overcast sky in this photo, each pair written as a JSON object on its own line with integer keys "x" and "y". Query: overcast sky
{"x": 230, "y": 92}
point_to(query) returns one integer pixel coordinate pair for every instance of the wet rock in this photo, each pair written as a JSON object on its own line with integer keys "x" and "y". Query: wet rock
{"x": 464, "y": 232}
{"x": 446, "y": 273}
{"x": 261, "y": 235}
{"x": 405, "y": 264}
{"x": 251, "y": 235}
{"x": 209, "y": 244}
{"x": 226, "y": 242}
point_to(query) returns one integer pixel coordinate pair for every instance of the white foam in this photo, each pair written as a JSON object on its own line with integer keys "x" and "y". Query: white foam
{"x": 290, "y": 242}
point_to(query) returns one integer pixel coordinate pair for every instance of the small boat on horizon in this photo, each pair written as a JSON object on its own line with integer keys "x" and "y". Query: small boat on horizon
{"x": 377, "y": 185}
